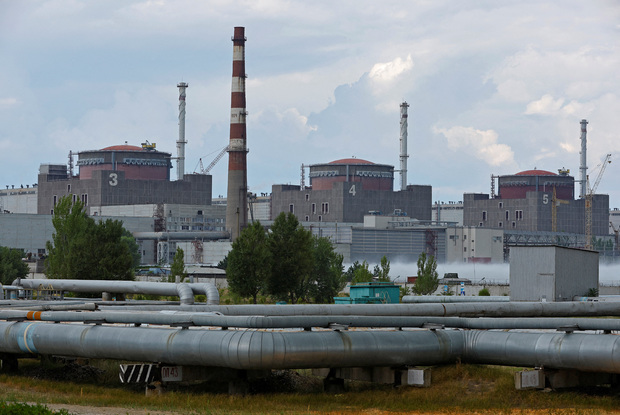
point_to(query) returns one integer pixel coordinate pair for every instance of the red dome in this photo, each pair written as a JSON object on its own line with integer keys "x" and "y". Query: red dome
{"x": 123, "y": 147}
{"x": 535, "y": 173}
{"x": 351, "y": 161}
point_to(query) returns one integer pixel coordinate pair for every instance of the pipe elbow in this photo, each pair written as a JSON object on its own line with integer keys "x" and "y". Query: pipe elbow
{"x": 185, "y": 293}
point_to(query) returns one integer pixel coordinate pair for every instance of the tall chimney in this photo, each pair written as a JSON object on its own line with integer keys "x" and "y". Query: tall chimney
{"x": 236, "y": 204}
{"x": 403, "y": 145}
{"x": 583, "y": 167}
{"x": 181, "y": 141}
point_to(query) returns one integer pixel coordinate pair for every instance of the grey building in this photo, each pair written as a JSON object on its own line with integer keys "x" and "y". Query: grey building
{"x": 346, "y": 190}
{"x": 552, "y": 273}
{"x": 535, "y": 200}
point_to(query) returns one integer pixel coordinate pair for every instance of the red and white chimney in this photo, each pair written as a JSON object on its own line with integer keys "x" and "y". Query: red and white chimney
{"x": 236, "y": 204}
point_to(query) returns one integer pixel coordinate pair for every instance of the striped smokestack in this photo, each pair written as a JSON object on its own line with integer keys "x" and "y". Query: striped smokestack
{"x": 236, "y": 204}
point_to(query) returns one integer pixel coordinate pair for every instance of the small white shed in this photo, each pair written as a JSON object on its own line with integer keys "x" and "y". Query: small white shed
{"x": 552, "y": 273}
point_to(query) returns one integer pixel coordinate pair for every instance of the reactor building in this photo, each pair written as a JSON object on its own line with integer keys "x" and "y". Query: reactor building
{"x": 346, "y": 190}
{"x": 535, "y": 200}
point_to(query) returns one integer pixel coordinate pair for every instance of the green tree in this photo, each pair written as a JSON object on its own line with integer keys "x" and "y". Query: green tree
{"x": 327, "y": 273}
{"x": 11, "y": 265}
{"x": 362, "y": 274}
{"x": 72, "y": 241}
{"x": 248, "y": 263}
{"x": 382, "y": 272}
{"x": 350, "y": 272}
{"x": 177, "y": 269}
{"x": 428, "y": 279}
{"x": 290, "y": 246}
{"x": 128, "y": 239}
{"x": 83, "y": 249}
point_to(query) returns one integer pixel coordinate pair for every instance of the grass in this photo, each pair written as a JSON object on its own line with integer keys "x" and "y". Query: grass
{"x": 455, "y": 389}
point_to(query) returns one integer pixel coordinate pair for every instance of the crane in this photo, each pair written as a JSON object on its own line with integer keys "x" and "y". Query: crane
{"x": 588, "y": 201}
{"x": 555, "y": 202}
{"x": 213, "y": 163}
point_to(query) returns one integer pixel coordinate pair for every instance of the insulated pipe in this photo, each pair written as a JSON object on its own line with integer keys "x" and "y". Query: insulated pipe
{"x": 250, "y": 350}
{"x": 213, "y": 295}
{"x": 133, "y": 287}
{"x": 275, "y": 322}
{"x": 454, "y": 299}
{"x": 511, "y": 309}
{"x": 233, "y": 349}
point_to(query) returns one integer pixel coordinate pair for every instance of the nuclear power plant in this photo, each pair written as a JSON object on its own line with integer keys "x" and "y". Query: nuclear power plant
{"x": 351, "y": 200}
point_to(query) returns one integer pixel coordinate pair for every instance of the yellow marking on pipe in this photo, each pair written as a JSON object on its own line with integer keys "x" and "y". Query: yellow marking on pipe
{"x": 25, "y": 340}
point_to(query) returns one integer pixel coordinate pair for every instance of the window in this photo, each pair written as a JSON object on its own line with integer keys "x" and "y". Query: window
{"x": 314, "y": 208}
{"x": 324, "y": 207}
{"x": 320, "y": 218}
{"x": 507, "y": 215}
{"x": 500, "y": 225}
{"x": 464, "y": 237}
{"x": 68, "y": 188}
{"x": 465, "y": 249}
{"x": 199, "y": 212}
{"x": 500, "y": 205}
{"x": 518, "y": 214}
{"x": 480, "y": 224}
{"x": 307, "y": 218}
{"x": 74, "y": 198}
{"x": 291, "y": 208}
{"x": 484, "y": 215}
{"x": 307, "y": 197}
{"x": 55, "y": 199}
{"x": 514, "y": 224}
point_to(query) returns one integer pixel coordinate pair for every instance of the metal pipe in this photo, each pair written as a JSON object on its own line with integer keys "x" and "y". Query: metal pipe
{"x": 181, "y": 236}
{"x": 133, "y": 287}
{"x": 511, "y": 309}
{"x": 234, "y": 349}
{"x": 247, "y": 349}
{"x": 454, "y": 299}
{"x": 273, "y": 322}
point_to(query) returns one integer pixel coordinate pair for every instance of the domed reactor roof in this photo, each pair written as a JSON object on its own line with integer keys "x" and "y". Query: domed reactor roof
{"x": 516, "y": 186}
{"x": 138, "y": 163}
{"x": 372, "y": 176}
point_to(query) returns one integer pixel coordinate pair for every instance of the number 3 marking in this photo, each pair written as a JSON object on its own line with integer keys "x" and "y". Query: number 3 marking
{"x": 113, "y": 179}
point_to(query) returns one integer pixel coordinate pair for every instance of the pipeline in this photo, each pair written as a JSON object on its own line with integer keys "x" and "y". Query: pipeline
{"x": 510, "y": 309}
{"x": 282, "y": 322}
{"x": 248, "y": 350}
{"x": 417, "y": 299}
{"x": 184, "y": 291}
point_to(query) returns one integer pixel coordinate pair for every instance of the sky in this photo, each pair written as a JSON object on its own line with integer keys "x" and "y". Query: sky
{"x": 494, "y": 87}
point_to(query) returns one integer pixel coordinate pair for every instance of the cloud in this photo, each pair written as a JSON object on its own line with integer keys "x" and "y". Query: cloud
{"x": 388, "y": 71}
{"x": 545, "y": 106}
{"x": 6, "y": 103}
{"x": 481, "y": 144}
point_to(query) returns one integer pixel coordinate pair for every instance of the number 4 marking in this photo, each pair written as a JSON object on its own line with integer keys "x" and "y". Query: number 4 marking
{"x": 352, "y": 190}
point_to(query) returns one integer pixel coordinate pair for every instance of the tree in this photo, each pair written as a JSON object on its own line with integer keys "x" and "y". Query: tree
{"x": 428, "y": 279}
{"x": 177, "y": 269}
{"x": 362, "y": 274}
{"x": 128, "y": 239}
{"x": 382, "y": 273}
{"x": 248, "y": 263}
{"x": 290, "y": 246}
{"x": 11, "y": 265}
{"x": 83, "y": 249}
{"x": 327, "y": 273}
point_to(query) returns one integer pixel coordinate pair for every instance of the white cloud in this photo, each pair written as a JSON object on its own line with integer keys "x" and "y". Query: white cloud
{"x": 545, "y": 106}
{"x": 480, "y": 143}
{"x": 388, "y": 71}
{"x": 8, "y": 102}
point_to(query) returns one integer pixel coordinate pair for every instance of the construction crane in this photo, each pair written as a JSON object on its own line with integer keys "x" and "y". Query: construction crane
{"x": 213, "y": 163}
{"x": 588, "y": 201}
{"x": 615, "y": 233}
{"x": 555, "y": 202}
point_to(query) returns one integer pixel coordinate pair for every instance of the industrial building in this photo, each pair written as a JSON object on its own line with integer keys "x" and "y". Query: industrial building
{"x": 552, "y": 273}
{"x": 536, "y": 200}
{"x": 345, "y": 190}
